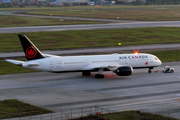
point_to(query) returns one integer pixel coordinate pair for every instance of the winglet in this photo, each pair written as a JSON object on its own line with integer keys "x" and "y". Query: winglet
{"x": 30, "y": 50}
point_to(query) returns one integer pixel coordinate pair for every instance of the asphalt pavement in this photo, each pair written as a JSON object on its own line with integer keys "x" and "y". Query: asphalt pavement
{"x": 89, "y": 26}
{"x": 154, "y": 92}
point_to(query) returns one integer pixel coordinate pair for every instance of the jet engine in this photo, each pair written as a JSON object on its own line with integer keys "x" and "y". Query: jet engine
{"x": 124, "y": 71}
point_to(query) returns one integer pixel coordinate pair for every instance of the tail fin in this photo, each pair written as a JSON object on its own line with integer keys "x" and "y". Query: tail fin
{"x": 30, "y": 50}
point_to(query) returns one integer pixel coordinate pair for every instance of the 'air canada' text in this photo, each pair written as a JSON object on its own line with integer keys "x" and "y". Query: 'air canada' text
{"x": 134, "y": 57}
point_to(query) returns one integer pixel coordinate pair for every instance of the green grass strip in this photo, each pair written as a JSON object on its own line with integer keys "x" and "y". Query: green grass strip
{"x": 91, "y": 38}
{"x": 168, "y": 14}
{"x": 14, "y": 108}
{"x": 19, "y": 21}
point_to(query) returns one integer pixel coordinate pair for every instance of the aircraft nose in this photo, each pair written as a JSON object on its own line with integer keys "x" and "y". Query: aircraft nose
{"x": 160, "y": 62}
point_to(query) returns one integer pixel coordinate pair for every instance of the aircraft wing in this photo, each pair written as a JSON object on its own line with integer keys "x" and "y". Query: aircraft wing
{"x": 103, "y": 66}
{"x": 21, "y": 63}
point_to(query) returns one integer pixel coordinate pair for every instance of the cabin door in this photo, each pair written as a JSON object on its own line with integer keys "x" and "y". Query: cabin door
{"x": 86, "y": 62}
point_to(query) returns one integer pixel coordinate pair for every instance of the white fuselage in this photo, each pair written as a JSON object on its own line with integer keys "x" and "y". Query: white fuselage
{"x": 80, "y": 63}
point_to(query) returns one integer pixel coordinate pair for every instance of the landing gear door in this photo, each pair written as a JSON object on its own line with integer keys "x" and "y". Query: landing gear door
{"x": 51, "y": 65}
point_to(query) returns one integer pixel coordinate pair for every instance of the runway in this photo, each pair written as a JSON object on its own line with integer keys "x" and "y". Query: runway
{"x": 90, "y": 26}
{"x": 155, "y": 92}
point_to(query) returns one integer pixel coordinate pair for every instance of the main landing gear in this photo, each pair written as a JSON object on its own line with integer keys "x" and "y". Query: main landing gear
{"x": 99, "y": 76}
{"x": 86, "y": 73}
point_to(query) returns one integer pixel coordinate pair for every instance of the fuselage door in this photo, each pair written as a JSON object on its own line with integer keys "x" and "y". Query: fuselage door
{"x": 86, "y": 62}
{"x": 51, "y": 64}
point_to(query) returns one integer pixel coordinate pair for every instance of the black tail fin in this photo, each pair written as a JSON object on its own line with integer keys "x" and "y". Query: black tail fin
{"x": 30, "y": 50}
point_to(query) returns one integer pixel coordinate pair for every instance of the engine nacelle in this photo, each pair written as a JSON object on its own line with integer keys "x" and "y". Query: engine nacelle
{"x": 124, "y": 71}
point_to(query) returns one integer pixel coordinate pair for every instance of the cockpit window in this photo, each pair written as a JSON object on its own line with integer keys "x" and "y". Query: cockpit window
{"x": 156, "y": 58}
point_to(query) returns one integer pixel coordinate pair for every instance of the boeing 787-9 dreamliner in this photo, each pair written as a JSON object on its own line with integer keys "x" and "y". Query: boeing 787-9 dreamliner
{"x": 120, "y": 64}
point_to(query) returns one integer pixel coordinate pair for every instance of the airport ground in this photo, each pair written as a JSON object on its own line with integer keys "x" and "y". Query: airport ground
{"x": 156, "y": 92}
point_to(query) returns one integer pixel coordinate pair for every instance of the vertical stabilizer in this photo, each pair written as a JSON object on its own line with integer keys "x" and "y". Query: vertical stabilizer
{"x": 30, "y": 50}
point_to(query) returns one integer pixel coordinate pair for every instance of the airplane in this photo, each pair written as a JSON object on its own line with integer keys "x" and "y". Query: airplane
{"x": 120, "y": 64}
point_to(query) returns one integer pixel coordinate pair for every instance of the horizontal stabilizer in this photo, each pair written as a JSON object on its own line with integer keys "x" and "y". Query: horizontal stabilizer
{"x": 17, "y": 62}
{"x": 21, "y": 63}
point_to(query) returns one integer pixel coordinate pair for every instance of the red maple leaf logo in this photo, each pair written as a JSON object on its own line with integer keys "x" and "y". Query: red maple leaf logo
{"x": 31, "y": 52}
{"x": 146, "y": 63}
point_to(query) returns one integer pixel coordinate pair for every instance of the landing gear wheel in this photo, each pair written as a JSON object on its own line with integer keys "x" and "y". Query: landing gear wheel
{"x": 149, "y": 71}
{"x": 86, "y": 73}
{"x": 99, "y": 76}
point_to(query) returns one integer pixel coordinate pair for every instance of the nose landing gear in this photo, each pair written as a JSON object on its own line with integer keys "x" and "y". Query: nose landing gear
{"x": 150, "y": 70}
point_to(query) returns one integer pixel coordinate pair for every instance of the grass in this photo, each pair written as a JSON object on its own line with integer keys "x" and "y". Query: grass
{"x": 168, "y": 14}
{"x": 19, "y": 21}
{"x": 91, "y": 38}
{"x": 127, "y": 115}
{"x": 14, "y": 108}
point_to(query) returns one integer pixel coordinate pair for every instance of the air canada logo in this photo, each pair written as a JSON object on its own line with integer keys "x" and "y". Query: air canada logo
{"x": 31, "y": 52}
{"x": 146, "y": 63}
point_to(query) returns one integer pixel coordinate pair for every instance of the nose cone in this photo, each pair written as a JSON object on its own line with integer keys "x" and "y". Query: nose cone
{"x": 157, "y": 61}
{"x": 160, "y": 62}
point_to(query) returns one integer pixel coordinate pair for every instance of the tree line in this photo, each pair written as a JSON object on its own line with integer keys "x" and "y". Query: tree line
{"x": 151, "y": 2}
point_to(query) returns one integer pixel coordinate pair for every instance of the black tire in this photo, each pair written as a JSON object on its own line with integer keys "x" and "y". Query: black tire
{"x": 99, "y": 76}
{"x": 149, "y": 71}
{"x": 86, "y": 73}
